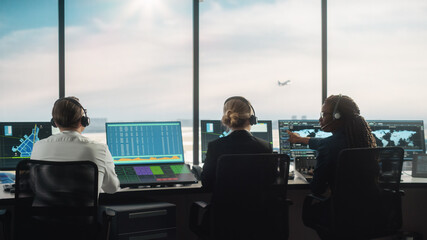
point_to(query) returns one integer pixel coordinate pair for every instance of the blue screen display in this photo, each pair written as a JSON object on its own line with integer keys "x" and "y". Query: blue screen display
{"x": 145, "y": 142}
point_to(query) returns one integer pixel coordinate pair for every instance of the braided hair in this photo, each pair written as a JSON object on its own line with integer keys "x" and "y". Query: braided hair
{"x": 356, "y": 129}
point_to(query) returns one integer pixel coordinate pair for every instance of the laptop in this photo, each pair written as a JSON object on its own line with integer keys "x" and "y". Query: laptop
{"x": 304, "y": 167}
{"x": 148, "y": 153}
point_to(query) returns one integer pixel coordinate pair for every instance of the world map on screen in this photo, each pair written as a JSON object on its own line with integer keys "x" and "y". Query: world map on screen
{"x": 391, "y": 137}
{"x": 312, "y": 133}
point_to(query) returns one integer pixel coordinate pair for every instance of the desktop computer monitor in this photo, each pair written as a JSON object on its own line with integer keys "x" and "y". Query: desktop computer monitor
{"x": 408, "y": 134}
{"x": 148, "y": 153}
{"x": 145, "y": 142}
{"x": 305, "y": 128}
{"x": 213, "y": 129}
{"x": 17, "y": 140}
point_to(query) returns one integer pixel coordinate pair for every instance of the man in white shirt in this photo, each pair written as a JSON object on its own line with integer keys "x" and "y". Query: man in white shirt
{"x": 69, "y": 145}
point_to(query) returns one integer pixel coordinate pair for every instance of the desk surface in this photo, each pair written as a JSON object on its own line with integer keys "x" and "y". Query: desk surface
{"x": 407, "y": 182}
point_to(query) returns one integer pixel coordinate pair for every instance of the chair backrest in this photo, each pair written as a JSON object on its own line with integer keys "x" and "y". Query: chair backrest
{"x": 249, "y": 197}
{"x": 52, "y": 197}
{"x": 366, "y": 199}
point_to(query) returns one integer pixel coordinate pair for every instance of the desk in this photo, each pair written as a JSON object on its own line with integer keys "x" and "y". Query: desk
{"x": 408, "y": 182}
{"x": 414, "y": 207}
{"x": 414, "y": 204}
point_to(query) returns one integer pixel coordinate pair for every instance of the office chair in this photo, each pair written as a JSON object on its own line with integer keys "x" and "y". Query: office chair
{"x": 366, "y": 200}
{"x": 248, "y": 199}
{"x": 57, "y": 200}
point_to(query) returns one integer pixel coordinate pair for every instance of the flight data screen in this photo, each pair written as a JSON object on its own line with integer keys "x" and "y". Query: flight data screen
{"x": 145, "y": 142}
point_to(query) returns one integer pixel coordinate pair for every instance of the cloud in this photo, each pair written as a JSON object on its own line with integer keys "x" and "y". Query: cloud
{"x": 137, "y": 64}
{"x": 28, "y": 74}
{"x": 377, "y": 56}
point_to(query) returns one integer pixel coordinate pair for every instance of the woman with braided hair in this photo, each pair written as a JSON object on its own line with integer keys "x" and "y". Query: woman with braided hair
{"x": 356, "y": 129}
{"x": 340, "y": 115}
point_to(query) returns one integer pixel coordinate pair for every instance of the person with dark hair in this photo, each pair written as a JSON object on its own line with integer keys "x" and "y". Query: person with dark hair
{"x": 238, "y": 116}
{"x": 340, "y": 115}
{"x": 69, "y": 145}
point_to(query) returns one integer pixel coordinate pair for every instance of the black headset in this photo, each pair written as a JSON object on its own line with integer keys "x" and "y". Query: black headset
{"x": 85, "y": 120}
{"x": 252, "y": 119}
{"x": 337, "y": 115}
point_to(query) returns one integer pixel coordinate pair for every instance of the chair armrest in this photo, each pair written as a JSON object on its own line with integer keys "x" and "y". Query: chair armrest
{"x": 5, "y": 220}
{"x": 309, "y": 200}
{"x": 401, "y": 193}
{"x": 3, "y": 213}
{"x": 307, "y": 210}
{"x": 108, "y": 213}
{"x": 289, "y": 202}
{"x": 317, "y": 197}
{"x": 198, "y": 216}
{"x": 200, "y": 205}
{"x": 197, "y": 171}
{"x": 107, "y": 218}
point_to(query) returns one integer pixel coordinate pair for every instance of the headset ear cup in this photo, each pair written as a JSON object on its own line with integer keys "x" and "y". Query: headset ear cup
{"x": 85, "y": 121}
{"x": 337, "y": 115}
{"x": 52, "y": 122}
{"x": 253, "y": 120}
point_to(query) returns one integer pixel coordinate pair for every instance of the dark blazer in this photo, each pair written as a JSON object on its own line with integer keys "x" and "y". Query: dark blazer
{"x": 238, "y": 142}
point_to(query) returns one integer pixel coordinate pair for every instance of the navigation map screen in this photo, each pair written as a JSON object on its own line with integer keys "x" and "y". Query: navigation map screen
{"x": 17, "y": 140}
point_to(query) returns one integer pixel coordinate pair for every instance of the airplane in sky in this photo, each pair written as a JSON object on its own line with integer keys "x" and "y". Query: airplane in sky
{"x": 284, "y": 83}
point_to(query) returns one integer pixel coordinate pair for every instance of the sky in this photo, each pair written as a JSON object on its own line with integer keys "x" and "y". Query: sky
{"x": 132, "y": 60}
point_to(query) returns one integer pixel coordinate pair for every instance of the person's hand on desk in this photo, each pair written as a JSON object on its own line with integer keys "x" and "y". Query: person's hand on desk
{"x": 296, "y": 138}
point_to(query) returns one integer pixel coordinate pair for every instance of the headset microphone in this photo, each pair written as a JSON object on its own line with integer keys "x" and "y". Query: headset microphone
{"x": 327, "y": 124}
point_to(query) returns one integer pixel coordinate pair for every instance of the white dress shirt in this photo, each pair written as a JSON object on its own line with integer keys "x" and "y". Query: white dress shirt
{"x": 72, "y": 146}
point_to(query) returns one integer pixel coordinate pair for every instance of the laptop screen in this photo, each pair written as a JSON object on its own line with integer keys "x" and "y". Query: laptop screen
{"x": 148, "y": 153}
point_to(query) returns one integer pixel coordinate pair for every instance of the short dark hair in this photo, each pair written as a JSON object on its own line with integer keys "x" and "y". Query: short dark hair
{"x": 66, "y": 113}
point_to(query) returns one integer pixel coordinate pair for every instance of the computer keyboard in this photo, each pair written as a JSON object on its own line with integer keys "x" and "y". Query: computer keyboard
{"x": 9, "y": 188}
